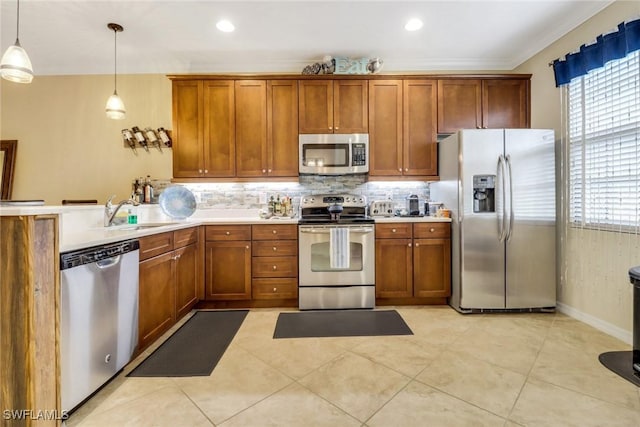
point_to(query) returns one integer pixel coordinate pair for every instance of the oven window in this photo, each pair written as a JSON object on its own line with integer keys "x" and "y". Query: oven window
{"x": 325, "y": 155}
{"x": 320, "y": 257}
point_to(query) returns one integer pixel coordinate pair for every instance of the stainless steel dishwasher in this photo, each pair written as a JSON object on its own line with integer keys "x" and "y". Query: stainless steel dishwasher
{"x": 98, "y": 316}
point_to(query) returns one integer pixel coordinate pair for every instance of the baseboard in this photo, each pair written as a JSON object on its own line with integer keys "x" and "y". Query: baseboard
{"x": 601, "y": 325}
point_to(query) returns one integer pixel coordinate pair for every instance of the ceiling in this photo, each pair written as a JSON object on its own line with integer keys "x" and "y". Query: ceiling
{"x": 71, "y": 37}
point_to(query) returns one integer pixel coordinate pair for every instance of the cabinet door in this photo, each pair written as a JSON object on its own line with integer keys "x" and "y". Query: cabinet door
{"x": 228, "y": 270}
{"x": 186, "y": 260}
{"x": 505, "y": 104}
{"x": 315, "y": 106}
{"x": 219, "y": 148}
{"x": 459, "y": 105}
{"x": 420, "y": 148}
{"x": 350, "y": 106}
{"x": 385, "y": 125}
{"x": 188, "y": 160}
{"x": 432, "y": 267}
{"x": 251, "y": 127}
{"x": 282, "y": 128}
{"x": 393, "y": 268}
{"x": 156, "y": 298}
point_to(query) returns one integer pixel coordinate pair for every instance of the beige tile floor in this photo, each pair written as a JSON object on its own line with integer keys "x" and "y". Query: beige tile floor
{"x": 456, "y": 370}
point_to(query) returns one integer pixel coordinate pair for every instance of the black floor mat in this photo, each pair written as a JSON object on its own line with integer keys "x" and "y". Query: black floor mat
{"x": 343, "y": 323}
{"x": 195, "y": 348}
{"x": 620, "y": 362}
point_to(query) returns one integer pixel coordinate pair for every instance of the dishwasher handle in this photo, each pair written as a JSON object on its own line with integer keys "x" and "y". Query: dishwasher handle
{"x": 108, "y": 262}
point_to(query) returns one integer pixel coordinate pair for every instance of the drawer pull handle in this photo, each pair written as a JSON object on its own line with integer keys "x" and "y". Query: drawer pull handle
{"x": 393, "y": 230}
{"x": 275, "y": 249}
{"x": 432, "y": 230}
{"x": 274, "y": 232}
{"x": 417, "y": 244}
{"x": 275, "y": 289}
{"x": 264, "y": 171}
{"x": 228, "y": 233}
{"x": 275, "y": 267}
{"x": 409, "y": 244}
{"x": 246, "y": 247}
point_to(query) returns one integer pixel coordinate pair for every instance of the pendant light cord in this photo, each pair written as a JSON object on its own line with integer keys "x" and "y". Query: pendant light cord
{"x": 115, "y": 61}
{"x": 18, "y": 23}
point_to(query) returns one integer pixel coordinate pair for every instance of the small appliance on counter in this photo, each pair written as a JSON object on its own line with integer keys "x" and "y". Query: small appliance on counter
{"x": 381, "y": 208}
{"x": 413, "y": 205}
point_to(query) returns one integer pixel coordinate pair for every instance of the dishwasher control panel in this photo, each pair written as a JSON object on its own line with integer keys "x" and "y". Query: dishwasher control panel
{"x": 96, "y": 253}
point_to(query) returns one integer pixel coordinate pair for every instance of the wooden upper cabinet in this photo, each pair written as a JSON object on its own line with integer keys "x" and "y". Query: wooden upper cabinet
{"x": 505, "y": 104}
{"x": 204, "y": 128}
{"x": 282, "y": 128}
{"x": 420, "y": 148}
{"x": 385, "y": 127}
{"x": 251, "y": 127}
{"x": 219, "y": 128}
{"x": 483, "y": 104}
{"x": 402, "y": 128}
{"x": 188, "y": 160}
{"x": 459, "y": 105}
{"x": 333, "y": 106}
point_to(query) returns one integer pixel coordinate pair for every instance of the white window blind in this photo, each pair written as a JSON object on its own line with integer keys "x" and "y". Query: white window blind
{"x": 604, "y": 146}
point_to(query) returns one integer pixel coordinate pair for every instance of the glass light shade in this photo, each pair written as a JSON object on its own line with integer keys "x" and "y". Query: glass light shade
{"x": 115, "y": 107}
{"x": 413, "y": 24}
{"x": 15, "y": 65}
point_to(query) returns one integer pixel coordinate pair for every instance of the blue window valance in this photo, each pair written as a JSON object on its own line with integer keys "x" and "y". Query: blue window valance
{"x": 607, "y": 47}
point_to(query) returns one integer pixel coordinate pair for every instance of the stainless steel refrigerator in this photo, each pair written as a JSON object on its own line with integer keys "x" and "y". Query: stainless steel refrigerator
{"x": 500, "y": 187}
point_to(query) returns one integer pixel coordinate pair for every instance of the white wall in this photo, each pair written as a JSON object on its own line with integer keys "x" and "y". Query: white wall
{"x": 595, "y": 285}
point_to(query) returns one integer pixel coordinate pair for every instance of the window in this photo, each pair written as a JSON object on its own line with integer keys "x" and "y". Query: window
{"x": 604, "y": 146}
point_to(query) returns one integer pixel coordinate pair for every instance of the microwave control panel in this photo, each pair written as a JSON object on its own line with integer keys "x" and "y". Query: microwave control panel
{"x": 359, "y": 154}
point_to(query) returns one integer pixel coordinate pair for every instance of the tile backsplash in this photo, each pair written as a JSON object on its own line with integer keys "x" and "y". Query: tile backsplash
{"x": 253, "y": 195}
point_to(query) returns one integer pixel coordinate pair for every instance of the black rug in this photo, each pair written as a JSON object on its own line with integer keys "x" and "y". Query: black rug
{"x": 195, "y": 348}
{"x": 342, "y": 323}
{"x": 620, "y": 362}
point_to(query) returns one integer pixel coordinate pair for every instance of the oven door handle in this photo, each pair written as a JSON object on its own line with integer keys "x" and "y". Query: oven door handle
{"x": 363, "y": 230}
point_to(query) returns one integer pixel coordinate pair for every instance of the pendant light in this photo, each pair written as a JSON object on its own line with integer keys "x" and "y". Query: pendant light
{"x": 115, "y": 107}
{"x": 15, "y": 65}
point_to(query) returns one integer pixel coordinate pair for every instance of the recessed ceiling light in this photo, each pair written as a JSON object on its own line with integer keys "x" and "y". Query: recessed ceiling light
{"x": 413, "y": 24}
{"x": 225, "y": 26}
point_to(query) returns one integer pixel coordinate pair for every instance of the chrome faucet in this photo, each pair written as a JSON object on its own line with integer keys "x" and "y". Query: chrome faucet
{"x": 110, "y": 212}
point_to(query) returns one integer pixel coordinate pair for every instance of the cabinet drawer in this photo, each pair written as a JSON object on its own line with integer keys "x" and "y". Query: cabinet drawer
{"x": 432, "y": 230}
{"x": 401, "y": 230}
{"x": 273, "y": 248}
{"x": 186, "y": 237}
{"x": 275, "y": 232}
{"x": 285, "y": 266}
{"x": 228, "y": 232}
{"x": 156, "y": 244}
{"x": 274, "y": 288}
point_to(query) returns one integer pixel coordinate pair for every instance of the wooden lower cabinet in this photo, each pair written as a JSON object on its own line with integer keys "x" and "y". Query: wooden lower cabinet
{"x": 228, "y": 262}
{"x": 170, "y": 281}
{"x": 156, "y": 298}
{"x": 413, "y": 260}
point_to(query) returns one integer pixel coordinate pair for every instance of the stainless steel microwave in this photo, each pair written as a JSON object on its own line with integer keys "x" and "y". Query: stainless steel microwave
{"x": 334, "y": 154}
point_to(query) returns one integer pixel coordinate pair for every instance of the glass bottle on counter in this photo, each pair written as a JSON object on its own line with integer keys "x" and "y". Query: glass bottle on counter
{"x": 148, "y": 190}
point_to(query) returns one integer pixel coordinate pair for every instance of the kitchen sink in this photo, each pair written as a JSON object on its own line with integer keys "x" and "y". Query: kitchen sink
{"x": 141, "y": 226}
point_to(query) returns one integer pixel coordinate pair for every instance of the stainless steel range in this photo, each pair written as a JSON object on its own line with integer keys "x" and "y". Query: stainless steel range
{"x": 336, "y": 252}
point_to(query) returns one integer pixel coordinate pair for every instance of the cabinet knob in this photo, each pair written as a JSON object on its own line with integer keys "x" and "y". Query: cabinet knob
{"x": 264, "y": 171}
{"x": 275, "y": 289}
{"x": 176, "y": 257}
{"x": 409, "y": 244}
{"x": 228, "y": 233}
{"x": 269, "y": 170}
{"x": 337, "y": 128}
{"x": 206, "y": 171}
{"x": 417, "y": 244}
{"x": 406, "y": 169}
{"x": 199, "y": 170}
{"x": 275, "y": 249}
{"x": 393, "y": 230}
{"x": 431, "y": 230}
{"x": 274, "y": 231}
{"x": 330, "y": 127}
{"x": 275, "y": 267}
{"x": 246, "y": 247}
{"x": 399, "y": 169}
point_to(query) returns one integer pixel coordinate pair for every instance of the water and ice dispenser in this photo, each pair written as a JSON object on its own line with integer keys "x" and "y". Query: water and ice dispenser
{"x": 484, "y": 188}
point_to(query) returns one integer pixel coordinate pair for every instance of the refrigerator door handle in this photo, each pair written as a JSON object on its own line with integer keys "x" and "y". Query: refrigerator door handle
{"x": 511, "y": 216}
{"x": 502, "y": 218}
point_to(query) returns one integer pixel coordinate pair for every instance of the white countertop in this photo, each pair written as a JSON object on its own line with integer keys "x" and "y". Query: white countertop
{"x": 81, "y": 226}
